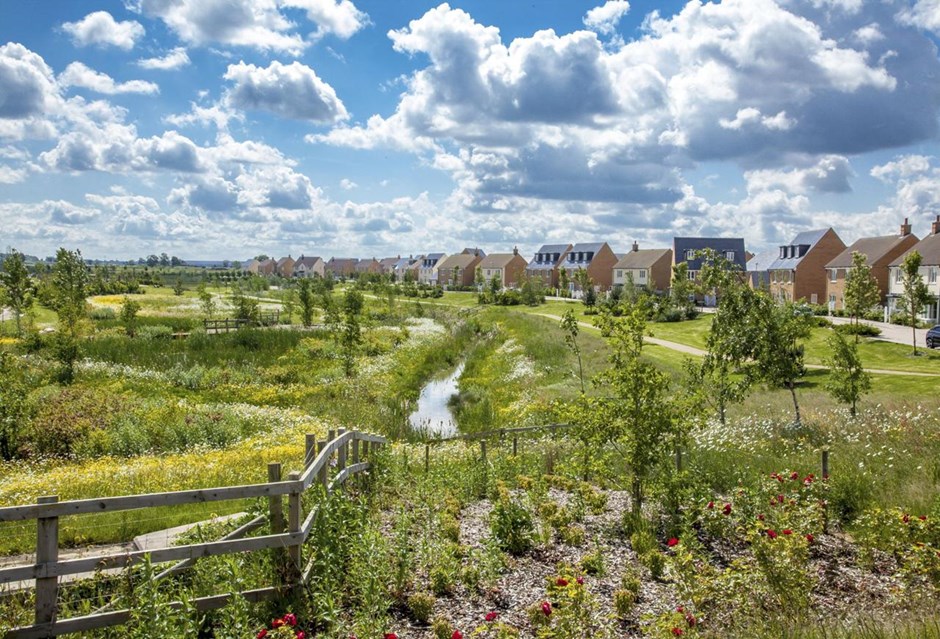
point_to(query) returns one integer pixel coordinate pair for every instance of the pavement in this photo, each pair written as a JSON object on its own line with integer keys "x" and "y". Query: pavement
{"x": 889, "y": 332}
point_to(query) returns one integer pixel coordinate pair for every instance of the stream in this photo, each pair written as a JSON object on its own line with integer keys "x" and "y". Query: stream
{"x": 433, "y": 416}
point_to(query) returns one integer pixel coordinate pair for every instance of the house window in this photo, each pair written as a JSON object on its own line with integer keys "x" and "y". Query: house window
{"x": 643, "y": 274}
{"x": 590, "y": 256}
{"x": 932, "y": 275}
{"x": 813, "y": 299}
{"x": 897, "y": 275}
{"x": 690, "y": 254}
{"x": 692, "y": 275}
{"x": 619, "y": 274}
{"x": 832, "y": 301}
{"x": 729, "y": 255}
{"x": 557, "y": 255}
{"x": 832, "y": 275}
{"x": 783, "y": 252}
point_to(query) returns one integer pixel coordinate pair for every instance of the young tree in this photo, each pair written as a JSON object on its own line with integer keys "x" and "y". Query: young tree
{"x": 14, "y": 391}
{"x": 915, "y": 293}
{"x": 861, "y": 289}
{"x": 206, "y": 301}
{"x": 351, "y": 335}
{"x": 69, "y": 282}
{"x": 778, "y": 351}
{"x": 570, "y": 327}
{"x": 682, "y": 290}
{"x": 290, "y": 303}
{"x": 129, "y": 310}
{"x": 848, "y": 381}
{"x": 306, "y": 298}
{"x": 563, "y": 282}
{"x": 246, "y": 308}
{"x": 178, "y": 287}
{"x": 16, "y": 287}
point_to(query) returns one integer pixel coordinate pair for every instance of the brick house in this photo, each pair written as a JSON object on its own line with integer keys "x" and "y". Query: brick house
{"x": 799, "y": 272}
{"x": 309, "y": 267}
{"x": 342, "y": 267}
{"x": 929, "y": 249}
{"x": 427, "y": 272}
{"x": 387, "y": 264}
{"x": 758, "y": 275}
{"x": 507, "y": 267}
{"x": 368, "y": 266}
{"x": 545, "y": 263}
{"x": 687, "y": 250}
{"x": 285, "y": 267}
{"x": 651, "y": 268}
{"x": 597, "y": 258}
{"x": 879, "y": 252}
{"x": 458, "y": 270}
{"x": 267, "y": 267}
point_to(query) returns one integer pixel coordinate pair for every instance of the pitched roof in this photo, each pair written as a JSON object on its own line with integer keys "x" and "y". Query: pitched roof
{"x": 761, "y": 261}
{"x": 929, "y": 249}
{"x": 720, "y": 244}
{"x": 461, "y": 260}
{"x": 592, "y": 247}
{"x": 804, "y": 242}
{"x": 389, "y": 262}
{"x": 497, "y": 260}
{"x": 873, "y": 248}
{"x": 474, "y": 251}
{"x": 283, "y": 260}
{"x": 644, "y": 258}
{"x": 554, "y": 248}
{"x": 309, "y": 262}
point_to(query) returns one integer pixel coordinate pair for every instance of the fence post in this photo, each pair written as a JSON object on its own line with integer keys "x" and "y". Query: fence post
{"x": 515, "y": 446}
{"x": 483, "y": 461}
{"x": 294, "y": 517}
{"x": 341, "y": 453}
{"x": 325, "y": 469}
{"x": 275, "y": 505}
{"x": 825, "y": 463}
{"x": 678, "y": 459}
{"x": 310, "y": 449}
{"x": 47, "y": 552}
{"x": 355, "y": 449}
{"x": 427, "y": 457}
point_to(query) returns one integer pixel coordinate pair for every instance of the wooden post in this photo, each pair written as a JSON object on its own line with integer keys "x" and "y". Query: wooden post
{"x": 365, "y": 450}
{"x": 483, "y": 461}
{"x": 310, "y": 449}
{"x": 47, "y": 552}
{"x": 275, "y": 504}
{"x": 678, "y": 459}
{"x": 294, "y": 517}
{"x": 341, "y": 453}
{"x": 355, "y": 449}
{"x": 325, "y": 469}
{"x": 515, "y": 446}
{"x": 427, "y": 457}
{"x": 825, "y": 463}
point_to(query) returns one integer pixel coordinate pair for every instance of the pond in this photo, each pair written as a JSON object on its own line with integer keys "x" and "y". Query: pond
{"x": 433, "y": 416}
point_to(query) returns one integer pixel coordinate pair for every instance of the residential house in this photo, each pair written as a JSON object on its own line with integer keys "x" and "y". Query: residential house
{"x": 651, "y": 268}
{"x": 458, "y": 270}
{"x": 474, "y": 251}
{"x": 929, "y": 249}
{"x": 267, "y": 267}
{"x": 545, "y": 263}
{"x": 387, "y": 265}
{"x": 688, "y": 250}
{"x": 251, "y": 266}
{"x": 309, "y": 267}
{"x": 368, "y": 266}
{"x": 879, "y": 252}
{"x": 405, "y": 266}
{"x": 427, "y": 272}
{"x": 799, "y": 272}
{"x": 506, "y": 267}
{"x": 758, "y": 275}
{"x": 597, "y": 258}
{"x": 285, "y": 266}
{"x": 341, "y": 267}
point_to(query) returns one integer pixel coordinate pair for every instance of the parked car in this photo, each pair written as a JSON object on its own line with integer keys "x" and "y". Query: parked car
{"x": 933, "y": 337}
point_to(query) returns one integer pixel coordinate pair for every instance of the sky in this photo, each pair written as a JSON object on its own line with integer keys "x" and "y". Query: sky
{"x": 221, "y": 129}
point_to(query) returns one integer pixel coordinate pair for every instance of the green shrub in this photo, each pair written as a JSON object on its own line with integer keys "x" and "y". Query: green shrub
{"x": 655, "y": 562}
{"x": 101, "y": 313}
{"x": 154, "y": 332}
{"x": 512, "y": 525}
{"x": 850, "y": 493}
{"x": 624, "y": 602}
{"x": 643, "y": 541}
{"x": 441, "y": 629}
{"x": 865, "y": 330}
{"x": 572, "y": 534}
{"x": 420, "y": 606}
{"x": 593, "y": 563}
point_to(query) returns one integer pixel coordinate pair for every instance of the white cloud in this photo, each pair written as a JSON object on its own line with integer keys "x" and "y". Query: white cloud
{"x": 291, "y": 91}
{"x": 925, "y": 14}
{"x": 750, "y": 116}
{"x": 100, "y": 28}
{"x": 869, "y": 34}
{"x": 62, "y": 212}
{"x": 79, "y": 75}
{"x": 337, "y": 17}
{"x": 605, "y": 18}
{"x": 27, "y": 85}
{"x": 902, "y": 168}
{"x": 828, "y": 174}
{"x": 175, "y": 59}
{"x": 347, "y": 185}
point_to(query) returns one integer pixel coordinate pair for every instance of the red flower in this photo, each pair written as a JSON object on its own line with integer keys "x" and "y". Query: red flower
{"x": 727, "y": 509}
{"x": 794, "y": 475}
{"x": 809, "y": 537}
{"x": 906, "y": 518}
{"x": 492, "y": 615}
{"x": 771, "y": 534}
{"x": 711, "y": 505}
{"x": 677, "y": 632}
{"x": 689, "y": 619}
{"x": 457, "y": 635}
{"x": 780, "y": 498}
{"x": 546, "y": 609}
{"x": 262, "y": 633}
{"x": 672, "y": 542}
{"x": 300, "y": 635}
{"x": 290, "y": 619}
{"x": 561, "y": 582}
{"x": 787, "y": 531}
{"x": 680, "y": 609}
{"x": 580, "y": 581}
{"x": 391, "y": 635}
{"x": 760, "y": 517}
{"x": 826, "y": 477}
{"x": 923, "y": 517}
{"x": 277, "y": 623}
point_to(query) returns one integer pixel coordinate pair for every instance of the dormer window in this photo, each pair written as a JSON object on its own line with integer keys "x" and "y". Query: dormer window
{"x": 557, "y": 255}
{"x": 729, "y": 255}
{"x": 690, "y": 254}
{"x": 571, "y": 257}
{"x": 783, "y": 252}
{"x": 590, "y": 256}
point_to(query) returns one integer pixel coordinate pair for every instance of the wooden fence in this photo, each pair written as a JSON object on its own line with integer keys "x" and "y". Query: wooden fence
{"x": 352, "y": 451}
{"x": 229, "y": 324}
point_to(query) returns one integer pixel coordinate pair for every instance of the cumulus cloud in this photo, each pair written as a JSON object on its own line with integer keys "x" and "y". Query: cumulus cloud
{"x": 26, "y": 82}
{"x": 62, "y": 212}
{"x": 902, "y": 168}
{"x": 101, "y": 29}
{"x": 291, "y": 91}
{"x": 347, "y": 185}
{"x": 174, "y": 59}
{"x": 925, "y": 14}
{"x": 259, "y": 24}
{"x": 79, "y": 75}
{"x": 829, "y": 174}
{"x": 605, "y": 18}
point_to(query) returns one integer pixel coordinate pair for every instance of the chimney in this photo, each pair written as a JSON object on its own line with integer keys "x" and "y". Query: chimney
{"x": 515, "y": 250}
{"x": 905, "y": 228}
{"x": 935, "y": 227}
{"x": 636, "y": 247}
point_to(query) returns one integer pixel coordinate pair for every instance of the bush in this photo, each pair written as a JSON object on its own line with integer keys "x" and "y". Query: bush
{"x": 823, "y": 322}
{"x": 441, "y": 629}
{"x": 512, "y": 525}
{"x": 593, "y": 563}
{"x": 572, "y": 534}
{"x": 154, "y": 332}
{"x": 101, "y": 313}
{"x": 624, "y": 602}
{"x": 655, "y": 562}
{"x": 865, "y": 330}
{"x": 420, "y": 606}
{"x": 849, "y": 495}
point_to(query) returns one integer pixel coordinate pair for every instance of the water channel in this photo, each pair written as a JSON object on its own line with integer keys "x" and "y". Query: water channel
{"x": 433, "y": 416}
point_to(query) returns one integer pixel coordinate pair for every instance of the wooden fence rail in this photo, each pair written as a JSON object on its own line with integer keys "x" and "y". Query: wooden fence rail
{"x": 48, "y": 568}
